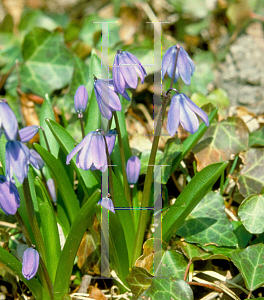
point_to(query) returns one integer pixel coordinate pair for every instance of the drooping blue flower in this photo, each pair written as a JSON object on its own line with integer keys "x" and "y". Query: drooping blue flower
{"x": 133, "y": 170}
{"x": 91, "y": 151}
{"x": 30, "y": 263}
{"x": 9, "y": 196}
{"x": 126, "y": 69}
{"x": 8, "y": 121}
{"x": 17, "y": 160}
{"x": 185, "y": 66}
{"x": 106, "y": 97}
{"x": 183, "y": 110}
{"x": 107, "y": 203}
{"x": 27, "y": 133}
{"x": 36, "y": 160}
{"x": 80, "y": 99}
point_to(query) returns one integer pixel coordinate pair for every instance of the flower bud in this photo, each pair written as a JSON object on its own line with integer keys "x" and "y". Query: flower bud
{"x": 133, "y": 170}
{"x": 30, "y": 263}
{"x": 107, "y": 203}
{"x": 27, "y": 133}
{"x": 52, "y": 189}
{"x": 9, "y": 196}
{"x": 80, "y": 99}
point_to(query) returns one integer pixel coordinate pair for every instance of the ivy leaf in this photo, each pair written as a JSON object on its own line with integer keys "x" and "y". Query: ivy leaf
{"x": 194, "y": 252}
{"x": 251, "y": 212}
{"x": 256, "y": 138}
{"x": 251, "y": 178}
{"x": 208, "y": 223}
{"x": 138, "y": 280}
{"x": 175, "y": 289}
{"x": 48, "y": 63}
{"x": 221, "y": 141}
{"x": 250, "y": 263}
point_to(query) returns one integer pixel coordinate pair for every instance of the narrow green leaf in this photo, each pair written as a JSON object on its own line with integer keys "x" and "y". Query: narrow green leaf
{"x": 124, "y": 216}
{"x": 93, "y": 116}
{"x": 15, "y": 266}
{"x": 189, "y": 198}
{"x": 69, "y": 197}
{"x": 47, "y": 112}
{"x": 117, "y": 244}
{"x": 191, "y": 141}
{"x": 49, "y": 228}
{"x": 115, "y": 156}
{"x": 71, "y": 246}
{"x": 88, "y": 179}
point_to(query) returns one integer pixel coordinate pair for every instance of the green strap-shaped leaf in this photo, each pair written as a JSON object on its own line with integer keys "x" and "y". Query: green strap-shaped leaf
{"x": 124, "y": 216}
{"x": 250, "y": 263}
{"x": 69, "y": 197}
{"x": 117, "y": 244}
{"x": 47, "y": 112}
{"x": 189, "y": 198}
{"x": 88, "y": 179}
{"x": 49, "y": 228}
{"x": 71, "y": 246}
{"x": 15, "y": 266}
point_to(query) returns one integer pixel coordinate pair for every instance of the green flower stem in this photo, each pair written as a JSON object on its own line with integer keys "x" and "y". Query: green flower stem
{"x": 111, "y": 186}
{"x": 143, "y": 216}
{"x": 23, "y": 228}
{"x": 37, "y": 234}
{"x": 142, "y": 223}
{"x": 45, "y": 138}
{"x": 123, "y": 160}
{"x": 80, "y": 116}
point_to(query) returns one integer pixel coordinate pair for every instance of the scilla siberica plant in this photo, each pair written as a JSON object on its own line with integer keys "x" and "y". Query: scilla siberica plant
{"x": 69, "y": 197}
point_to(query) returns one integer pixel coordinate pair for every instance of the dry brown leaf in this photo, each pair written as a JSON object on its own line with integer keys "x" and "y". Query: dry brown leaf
{"x": 86, "y": 247}
{"x": 95, "y": 293}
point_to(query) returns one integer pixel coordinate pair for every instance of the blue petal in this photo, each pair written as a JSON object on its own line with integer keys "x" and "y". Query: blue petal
{"x": 184, "y": 68}
{"x": 8, "y": 121}
{"x": 138, "y": 66}
{"x": 191, "y": 63}
{"x": 27, "y": 133}
{"x": 84, "y": 158}
{"x": 197, "y": 110}
{"x": 98, "y": 152}
{"x": 174, "y": 115}
{"x": 17, "y": 160}
{"x": 133, "y": 169}
{"x": 80, "y": 99}
{"x": 188, "y": 118}
{"x": 118, "y": 79}
{"x": 110, "y": 140}
{"x": 128, "y": 71}
{"x": 78, "y": 147}
{"x": 30, "y": 263}
{"x": 167, "y": 60}
{"x": 107, "y": 203}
